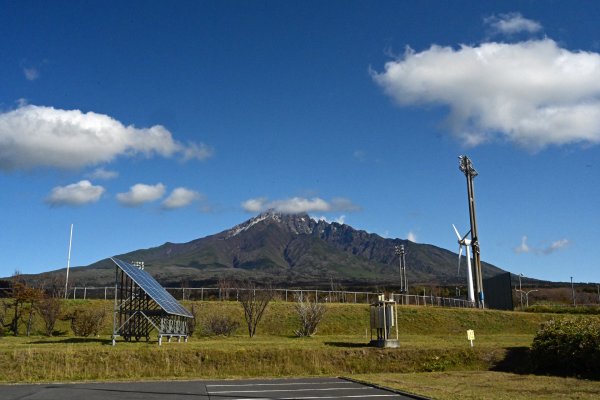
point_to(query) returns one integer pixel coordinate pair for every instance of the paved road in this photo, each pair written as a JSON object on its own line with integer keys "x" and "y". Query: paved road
{"x": 280, "y": 389}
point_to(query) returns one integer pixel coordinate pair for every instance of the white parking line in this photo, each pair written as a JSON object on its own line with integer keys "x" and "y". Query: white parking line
{"x": 284, "y": 384}
{"x": 289, "y": 390}
{"x": 361, "y": 396}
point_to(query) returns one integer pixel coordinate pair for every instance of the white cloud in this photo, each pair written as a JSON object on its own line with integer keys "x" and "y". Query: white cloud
{"x": 512, "y": 23}
{"x": 340, "y": 220}
{"x": 255, "y": 205}
{"x": 534, "y": 93}
{"x": 297, "y": 205}
{"x": 37, "y": 136}
{"x": 411, "y": 236}
{"x": 31, "y": 74}
{"x": 140, "y": 193}
{"x": 524, "y": 247}
{"x": 195, "y": 151}
{"x": 104, "y": 174}
{"x": 557, "y": 245}
{"x": 180, "y": 197}
{"x": 76, "y": 194}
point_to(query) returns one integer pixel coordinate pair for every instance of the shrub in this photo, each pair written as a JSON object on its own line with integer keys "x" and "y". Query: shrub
{"x": 219, "y": 325}
{"x": 192, "y": 322}
{"x": 49, "y": 309}
{"x": 310, "y": 314}
{"x": 568, "y": 347}
{"x": 86, "y": 322}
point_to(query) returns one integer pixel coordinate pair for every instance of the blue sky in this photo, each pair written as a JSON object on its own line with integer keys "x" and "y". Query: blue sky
{"x": 147, "y": 122}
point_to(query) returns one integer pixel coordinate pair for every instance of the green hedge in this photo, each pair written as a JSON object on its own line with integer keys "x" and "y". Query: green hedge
{"x": 568, "y": 347}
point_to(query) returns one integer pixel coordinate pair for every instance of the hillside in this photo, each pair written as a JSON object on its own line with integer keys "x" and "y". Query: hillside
{"x": 288, "y": 250}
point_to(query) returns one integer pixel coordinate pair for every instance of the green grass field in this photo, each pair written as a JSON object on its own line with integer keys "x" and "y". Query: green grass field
{"x": 434, "y": 359}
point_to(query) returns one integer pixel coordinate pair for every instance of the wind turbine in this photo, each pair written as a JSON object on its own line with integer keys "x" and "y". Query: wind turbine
{"x": 463, "y": 241}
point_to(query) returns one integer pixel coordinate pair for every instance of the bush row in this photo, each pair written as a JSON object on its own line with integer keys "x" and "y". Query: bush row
{"x": 568, "y": 347}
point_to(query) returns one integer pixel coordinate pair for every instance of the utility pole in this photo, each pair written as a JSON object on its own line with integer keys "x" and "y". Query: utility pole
{"x": 399, "y": 250}
{"x": 68, "y": 263}
{"x": 573, "y": 291}
{"x": 466, "y": 166}
{"x": 521, "y": 291}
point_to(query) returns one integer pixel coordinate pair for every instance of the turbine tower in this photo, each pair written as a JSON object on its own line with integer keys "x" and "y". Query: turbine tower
{"x": 466, "y": 166}
{"x": 463, "y": 241}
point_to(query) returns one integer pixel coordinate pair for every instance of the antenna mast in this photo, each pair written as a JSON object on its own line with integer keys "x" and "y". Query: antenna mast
{"x": 466, "y": 166}
{"x": 68, "y": 262}
{"x": 399, "y": 250}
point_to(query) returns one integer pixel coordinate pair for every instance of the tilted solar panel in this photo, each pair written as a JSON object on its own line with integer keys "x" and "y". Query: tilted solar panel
{"x": 153, "y": 289}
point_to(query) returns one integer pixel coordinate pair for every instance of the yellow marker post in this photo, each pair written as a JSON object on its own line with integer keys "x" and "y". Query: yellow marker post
{"x": 471, "y": 336}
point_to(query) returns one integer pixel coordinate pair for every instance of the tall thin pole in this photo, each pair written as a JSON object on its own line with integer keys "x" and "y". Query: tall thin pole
{"x": 400, "y": 252}
{"x": 68, "y": 262}
{"x": 521, "y": 291}
{"x": 466, "y": 166}
{"x": 573, "y": 291}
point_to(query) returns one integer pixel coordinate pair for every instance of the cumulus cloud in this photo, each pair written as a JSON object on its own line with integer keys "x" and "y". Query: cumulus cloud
{"x": 512, "y": 23}
{"x": 180, "y": 197}
{"x": 524, "y": 247}
{"x": 76, "y": 194}
{"x": 534, "y": 93}
{"x": 104, "y": 174}
{"x": 296, "y": 205}
{"x": 140, "y": 193}
{"x": 37, "y": 136}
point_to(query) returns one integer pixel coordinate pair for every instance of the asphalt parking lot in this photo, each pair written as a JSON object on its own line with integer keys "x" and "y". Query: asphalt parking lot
{"x": 280, "y": 389}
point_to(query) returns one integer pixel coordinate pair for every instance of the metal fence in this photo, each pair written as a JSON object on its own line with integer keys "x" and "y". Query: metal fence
{"x": 324, "y": 296}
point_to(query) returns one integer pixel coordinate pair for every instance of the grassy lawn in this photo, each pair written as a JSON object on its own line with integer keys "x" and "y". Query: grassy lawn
{"x": 434, "y": 359}
{"x": 466, "y": 385}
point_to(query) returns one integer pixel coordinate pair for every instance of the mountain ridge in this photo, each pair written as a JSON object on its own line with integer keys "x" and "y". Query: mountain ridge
{"x": 288, "y": 250}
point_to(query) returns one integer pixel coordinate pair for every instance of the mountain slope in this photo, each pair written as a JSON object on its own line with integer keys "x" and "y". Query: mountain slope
{"x": 289, "y": 250}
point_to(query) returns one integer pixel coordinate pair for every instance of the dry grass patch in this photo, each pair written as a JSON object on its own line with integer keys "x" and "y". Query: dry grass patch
{"x": 475, "y": 385}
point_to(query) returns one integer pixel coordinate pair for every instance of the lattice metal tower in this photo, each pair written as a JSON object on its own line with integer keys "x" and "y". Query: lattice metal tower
{"x": 466, "y": 166}
{"x": 399, "y": 250}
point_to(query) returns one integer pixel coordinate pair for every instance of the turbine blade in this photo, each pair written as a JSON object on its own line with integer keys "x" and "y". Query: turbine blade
{"x": 459, "y": 257}
{"x": 456, "y": 230}
{"x": 467, "y": 234}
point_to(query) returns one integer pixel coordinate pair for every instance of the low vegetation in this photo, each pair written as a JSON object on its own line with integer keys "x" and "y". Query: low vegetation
{"x": 310, "y": 313}
{"x": 569, "y": 346}
{"x": 433, "y": 344}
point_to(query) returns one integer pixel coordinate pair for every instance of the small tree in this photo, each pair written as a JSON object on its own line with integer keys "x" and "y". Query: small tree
{"x": 224, "y": 285}
{"x": 254, "y": 302}
{"x": 49, "y": 309}
{"x": 86, "y": 322}
{"x": 23, "y": 295}
{"x": 310, "y": 314}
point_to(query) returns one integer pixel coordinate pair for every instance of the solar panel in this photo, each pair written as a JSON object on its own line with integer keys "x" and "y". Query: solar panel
{"x": 153, "y": 289}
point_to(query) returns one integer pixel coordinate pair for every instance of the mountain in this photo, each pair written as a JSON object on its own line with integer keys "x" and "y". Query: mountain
{"x": 288, "y": 250}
